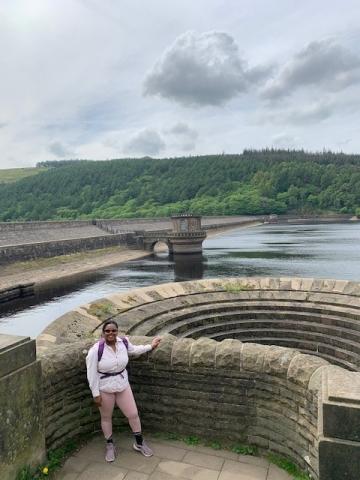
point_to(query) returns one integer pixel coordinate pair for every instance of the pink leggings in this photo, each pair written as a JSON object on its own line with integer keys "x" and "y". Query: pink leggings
{"x": 126, "y": 402}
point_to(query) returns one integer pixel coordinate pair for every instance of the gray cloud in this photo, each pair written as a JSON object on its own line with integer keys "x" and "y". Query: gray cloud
{"x": 59, "y": 150}
{"x": 323, "y": 64}
{"x": 145, "y": 142}
{"x": 311, "y": 113}
{"x": 201, "y": 69}
{"x": 184, "y": 135}
{"x": 283, "y": 140}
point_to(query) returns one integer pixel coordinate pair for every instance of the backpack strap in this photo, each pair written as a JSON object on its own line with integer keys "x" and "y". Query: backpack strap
{"x": 125, "y": 342}
{"x": 102, "y": 346}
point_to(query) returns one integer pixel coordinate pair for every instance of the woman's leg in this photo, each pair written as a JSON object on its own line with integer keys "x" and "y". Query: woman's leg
{"x": 106, "y": 411}
{"x": 126, "y": 402}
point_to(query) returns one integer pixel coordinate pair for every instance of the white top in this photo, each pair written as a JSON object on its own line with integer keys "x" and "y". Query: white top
{"x": 111, "y": 362}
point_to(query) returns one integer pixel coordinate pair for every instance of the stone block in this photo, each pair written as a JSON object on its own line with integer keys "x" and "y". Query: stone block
{"x": 253, "y": 357}
{"x": 22, "y": 437}
{"x": 163, "y": 353}
{"x": 341, "y": 408}
{"x": 302, "y": 367}
{"x": 203, "y": 353}
{"x": 339, "y": 459}
{"x": 228, "y": 354}
{"x": 277, "y": 360}
{"x": 15, "y": 352}
{"x": 181, "y": 352}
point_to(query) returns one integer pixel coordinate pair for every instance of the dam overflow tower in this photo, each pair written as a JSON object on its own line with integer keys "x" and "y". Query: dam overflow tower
{"x": 187, "y": 235}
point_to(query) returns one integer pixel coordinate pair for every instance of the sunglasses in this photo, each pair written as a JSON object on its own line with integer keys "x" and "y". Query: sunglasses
{"x": 110, "y": 331}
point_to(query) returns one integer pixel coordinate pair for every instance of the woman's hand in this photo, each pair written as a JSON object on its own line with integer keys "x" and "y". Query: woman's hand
{"x": 97, "y": 401}
{"x": 155, "y": 342}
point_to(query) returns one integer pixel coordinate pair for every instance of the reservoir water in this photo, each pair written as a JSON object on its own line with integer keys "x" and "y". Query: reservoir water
{"x": 321, "y": 250}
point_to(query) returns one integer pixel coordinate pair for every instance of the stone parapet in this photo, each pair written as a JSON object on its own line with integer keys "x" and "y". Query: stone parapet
{"x": 22, "y": 439}
{"x": 339, "y": 439}
{"x": 239, "y": 367}
{"x": 226, "y": 391}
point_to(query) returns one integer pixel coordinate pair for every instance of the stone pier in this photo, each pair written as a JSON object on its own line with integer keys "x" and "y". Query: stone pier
{"x": 22, "y": 436}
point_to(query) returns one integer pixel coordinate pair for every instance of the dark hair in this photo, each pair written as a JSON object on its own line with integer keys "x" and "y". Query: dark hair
{"x": 109, "y": 322}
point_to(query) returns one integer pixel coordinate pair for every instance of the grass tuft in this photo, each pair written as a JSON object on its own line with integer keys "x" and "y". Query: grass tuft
{"x": 288, "y": 466}
{"x": 237, "y": 287}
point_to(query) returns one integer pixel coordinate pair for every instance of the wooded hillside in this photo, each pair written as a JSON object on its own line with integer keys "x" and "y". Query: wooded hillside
{"x": 255, "y": 182}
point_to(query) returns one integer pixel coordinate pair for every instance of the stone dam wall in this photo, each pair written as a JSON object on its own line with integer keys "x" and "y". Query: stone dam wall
{"x": 30, "y": 240}
{"x": 31, "y": 251}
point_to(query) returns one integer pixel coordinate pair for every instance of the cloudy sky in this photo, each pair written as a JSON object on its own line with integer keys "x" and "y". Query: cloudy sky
{"x": 113, "y": 78}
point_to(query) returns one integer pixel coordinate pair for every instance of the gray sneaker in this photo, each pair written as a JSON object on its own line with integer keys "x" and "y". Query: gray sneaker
{"x": 144, "y": 449}
{"x": 110, "y": 452}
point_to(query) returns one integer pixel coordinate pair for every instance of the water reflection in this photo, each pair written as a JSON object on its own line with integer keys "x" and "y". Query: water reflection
{"x": 269, "y": 254}
{"x": 189, "y": 266}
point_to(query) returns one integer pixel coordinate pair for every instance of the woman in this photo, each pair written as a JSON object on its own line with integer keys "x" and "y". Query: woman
{"x": 108, "y": 380}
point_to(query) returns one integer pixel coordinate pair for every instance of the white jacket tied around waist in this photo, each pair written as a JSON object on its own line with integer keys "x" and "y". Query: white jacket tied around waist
{"x": 111, "y": 362}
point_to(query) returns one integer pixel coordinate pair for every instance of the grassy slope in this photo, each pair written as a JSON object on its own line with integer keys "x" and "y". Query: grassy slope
{"x": 14, "y": 174}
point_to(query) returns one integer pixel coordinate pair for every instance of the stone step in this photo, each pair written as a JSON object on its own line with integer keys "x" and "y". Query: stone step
{"x": 182, "y": 320}
{"x": 149, "y": 312}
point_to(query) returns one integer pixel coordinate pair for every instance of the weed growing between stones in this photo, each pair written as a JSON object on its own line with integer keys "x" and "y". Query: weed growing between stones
{"x": 55, "y": 459}
{"x": 237, "y": 287}
{"x": 191, "y": 440}
{"x": 103, "y": 309}
{"x": 245, "y": 449}
{"x": 288, "y": 466}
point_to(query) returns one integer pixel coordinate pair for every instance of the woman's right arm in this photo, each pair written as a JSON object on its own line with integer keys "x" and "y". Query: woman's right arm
{"x": 92, "y": 372}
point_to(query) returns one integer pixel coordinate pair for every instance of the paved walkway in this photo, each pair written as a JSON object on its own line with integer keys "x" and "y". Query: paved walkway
{"x": 172, "y": 460}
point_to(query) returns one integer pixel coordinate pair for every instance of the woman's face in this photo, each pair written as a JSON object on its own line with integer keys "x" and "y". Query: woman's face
{"x": 110, "y": 332}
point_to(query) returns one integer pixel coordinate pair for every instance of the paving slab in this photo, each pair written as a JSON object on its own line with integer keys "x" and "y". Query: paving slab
{"x": 276, "y": 473}
{"x": 95, "y": 471}
{"x": 172, "y": 460}
{"x": 242, "y": 471}
{"x": 185, "y": 470}
{"x": 204, "y": 460}
{"x": 136, "y": 476}
{"x": 136, "y": 461}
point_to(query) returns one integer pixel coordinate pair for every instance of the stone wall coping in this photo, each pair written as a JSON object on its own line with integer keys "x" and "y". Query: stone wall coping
{"x": 204, "y": 353}
{"x": 343, "y": 387}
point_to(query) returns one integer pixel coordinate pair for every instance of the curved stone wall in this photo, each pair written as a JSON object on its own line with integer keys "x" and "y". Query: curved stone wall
{"x": 319, "y": 317}
{"x": 229, "y": 391}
